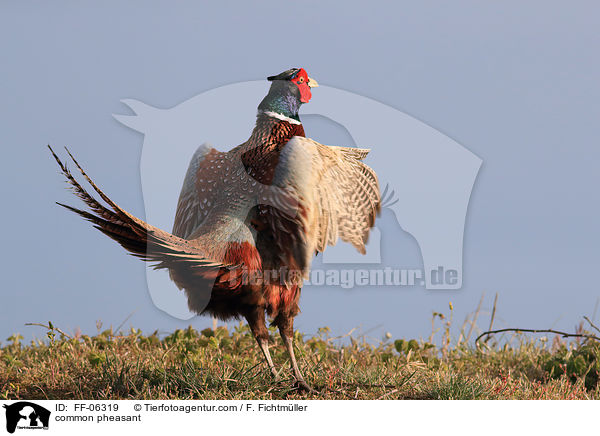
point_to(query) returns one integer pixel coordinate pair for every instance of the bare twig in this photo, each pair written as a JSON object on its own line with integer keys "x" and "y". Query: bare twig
{"x": 563, "y": 334}
{"x": 591, "y": 324}
{"x": 124, "y": 321}
{"x": 51, "y": 328}
{"x": 595, "y": 308}
{"x": 372, "y": 385}
{"x": 341, "y": 336}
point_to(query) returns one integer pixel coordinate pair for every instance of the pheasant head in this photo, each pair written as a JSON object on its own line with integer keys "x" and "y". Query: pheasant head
{"x": 288, "y": 91}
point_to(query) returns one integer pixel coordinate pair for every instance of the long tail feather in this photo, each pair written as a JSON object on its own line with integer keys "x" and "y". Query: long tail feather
{"x": 136, "y": 236}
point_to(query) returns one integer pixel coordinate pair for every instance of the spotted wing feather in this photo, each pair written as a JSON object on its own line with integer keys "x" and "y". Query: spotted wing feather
{"x": 191, "y": 209}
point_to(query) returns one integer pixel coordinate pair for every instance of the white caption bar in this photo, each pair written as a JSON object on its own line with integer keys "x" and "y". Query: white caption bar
{"x": 297, "y": 417}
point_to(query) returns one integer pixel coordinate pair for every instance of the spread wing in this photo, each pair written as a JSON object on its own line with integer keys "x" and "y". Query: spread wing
{"x": 191, "y": 206}
{"x": 338, "y": 197}
{"x": 213, "y": 206}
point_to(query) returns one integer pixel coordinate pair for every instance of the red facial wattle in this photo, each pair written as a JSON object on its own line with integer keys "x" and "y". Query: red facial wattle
{"x": 301, "y": 81}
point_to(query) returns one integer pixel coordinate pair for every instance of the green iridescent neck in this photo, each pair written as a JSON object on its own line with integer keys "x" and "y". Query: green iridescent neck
{"x": 280, "y": 100}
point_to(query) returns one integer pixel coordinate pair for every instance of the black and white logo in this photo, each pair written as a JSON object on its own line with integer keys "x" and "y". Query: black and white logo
{"x": 26, "y": 415}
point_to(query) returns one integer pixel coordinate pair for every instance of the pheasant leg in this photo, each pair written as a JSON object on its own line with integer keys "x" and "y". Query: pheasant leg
{"x": 264, "y": 346}
{"x": 256, "y": 321}
{"x": 286, "y": 330}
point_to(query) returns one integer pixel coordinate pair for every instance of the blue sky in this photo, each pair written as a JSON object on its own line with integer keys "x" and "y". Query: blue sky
{"x": 515, "y": 83}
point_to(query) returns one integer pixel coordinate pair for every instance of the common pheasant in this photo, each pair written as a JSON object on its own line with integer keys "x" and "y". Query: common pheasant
{"x": 249, "y": 220}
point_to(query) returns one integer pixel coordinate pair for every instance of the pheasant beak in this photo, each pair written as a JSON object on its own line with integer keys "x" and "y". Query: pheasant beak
{"x": 312, "y": 83}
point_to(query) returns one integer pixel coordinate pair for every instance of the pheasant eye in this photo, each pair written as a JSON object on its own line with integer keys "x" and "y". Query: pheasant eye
{"x": 301, "y": 79}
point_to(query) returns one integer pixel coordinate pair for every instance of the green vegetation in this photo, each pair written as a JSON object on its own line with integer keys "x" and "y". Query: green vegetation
{"x": 222, "y": 364}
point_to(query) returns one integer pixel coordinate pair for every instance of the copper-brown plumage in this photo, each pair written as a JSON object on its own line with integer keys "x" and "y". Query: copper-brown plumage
{"x": 262, "y": 209}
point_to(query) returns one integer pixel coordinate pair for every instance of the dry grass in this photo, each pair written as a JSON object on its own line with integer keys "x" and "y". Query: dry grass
{"x": 219, "y": 364}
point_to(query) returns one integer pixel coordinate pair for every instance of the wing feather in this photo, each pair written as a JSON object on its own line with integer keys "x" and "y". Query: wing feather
{"x": 337, "y": 194}
{"x": 190, "y": 206}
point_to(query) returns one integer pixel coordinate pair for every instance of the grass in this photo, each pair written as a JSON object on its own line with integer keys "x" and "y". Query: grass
{"x": 222, "y": 364}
